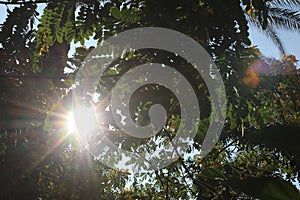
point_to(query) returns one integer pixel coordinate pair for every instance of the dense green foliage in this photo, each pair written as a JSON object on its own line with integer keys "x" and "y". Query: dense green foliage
{"x": 257, "y": 156}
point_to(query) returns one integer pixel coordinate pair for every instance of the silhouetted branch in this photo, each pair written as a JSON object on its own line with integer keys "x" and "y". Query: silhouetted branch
{"x": 23, "y": 2}
{"x": 33, "y": 76}
{"x": 18, "y": 123}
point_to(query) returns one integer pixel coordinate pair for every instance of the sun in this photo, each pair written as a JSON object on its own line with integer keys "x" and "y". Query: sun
{"x": 81, "y": 120}
{"x": 71, "y": 125}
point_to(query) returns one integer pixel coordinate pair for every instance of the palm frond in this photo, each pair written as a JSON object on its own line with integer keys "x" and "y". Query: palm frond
{"x": 293, "y": 4}
{"x": 269, "y": 32}
{"x": 283, "y": 18}
{"x": 272, "y": 34}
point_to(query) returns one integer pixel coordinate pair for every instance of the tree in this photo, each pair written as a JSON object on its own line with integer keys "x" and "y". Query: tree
{"x": 263, "y": 102}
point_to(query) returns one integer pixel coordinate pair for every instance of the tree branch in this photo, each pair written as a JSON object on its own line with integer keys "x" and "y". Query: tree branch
{"x": 24, "y": 2}
{"x": 33, "y": 76}
{"x": 18, "y": 123}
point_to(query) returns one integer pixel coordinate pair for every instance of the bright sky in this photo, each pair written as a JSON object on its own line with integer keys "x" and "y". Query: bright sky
{"x": 291, "y": 42}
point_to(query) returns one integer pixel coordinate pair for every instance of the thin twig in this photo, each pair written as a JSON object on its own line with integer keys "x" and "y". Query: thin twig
{"x": 224, "y": 148}
{"x": 182, "y": 161}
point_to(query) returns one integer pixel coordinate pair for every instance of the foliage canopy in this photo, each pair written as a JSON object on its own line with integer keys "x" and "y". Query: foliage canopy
{"x": 257, "y": 156}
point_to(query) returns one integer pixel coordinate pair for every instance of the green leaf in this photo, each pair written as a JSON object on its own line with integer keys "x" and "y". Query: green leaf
{"x": 268, "y": 188}
{"x": 211, "y": 173}
{"x": 59, "y": 36}
{"x": 115, "y": 12}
